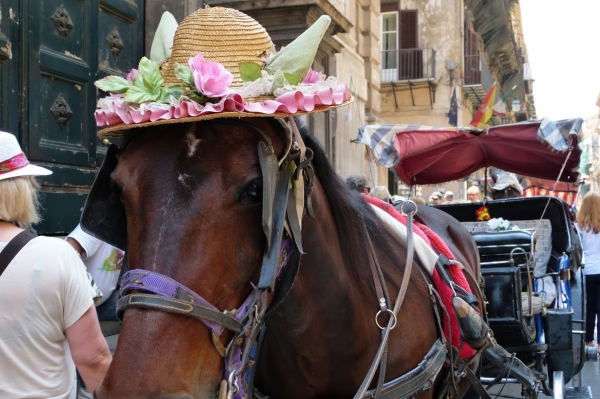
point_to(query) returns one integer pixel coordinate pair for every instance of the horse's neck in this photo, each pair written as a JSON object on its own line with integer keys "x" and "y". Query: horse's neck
{"x": 325, "y": 312}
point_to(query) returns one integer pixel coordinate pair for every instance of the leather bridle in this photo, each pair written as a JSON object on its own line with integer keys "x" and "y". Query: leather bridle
{"x": 287, "y": 185}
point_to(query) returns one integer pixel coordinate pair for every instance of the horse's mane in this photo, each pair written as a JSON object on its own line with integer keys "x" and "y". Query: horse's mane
{"x": 351, "y": 213}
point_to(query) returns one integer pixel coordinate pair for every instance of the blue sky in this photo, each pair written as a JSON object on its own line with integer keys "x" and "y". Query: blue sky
{"x": 563, "y": 43}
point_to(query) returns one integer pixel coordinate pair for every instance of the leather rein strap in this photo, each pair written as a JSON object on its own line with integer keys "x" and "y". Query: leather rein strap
{"x": 409, "y": 212}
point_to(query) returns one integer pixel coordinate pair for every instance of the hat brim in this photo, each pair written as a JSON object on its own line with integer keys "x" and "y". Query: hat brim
{"x": 29, "y": 170}
{"x": 504, "y": 186}
{"x": 119, "y": 130}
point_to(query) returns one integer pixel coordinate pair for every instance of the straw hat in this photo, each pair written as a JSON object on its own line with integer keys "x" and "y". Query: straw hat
{"x": 222, "y": 64}
{"x": 13, "y": 162}
{"x": 221, "y": 34}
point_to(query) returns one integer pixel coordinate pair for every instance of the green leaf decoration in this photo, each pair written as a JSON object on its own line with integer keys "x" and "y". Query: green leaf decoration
{"x": 151, "y": 75}
{"x": 192, "y": 95}
{"x": 138, "y": 95}
{"x": 163, "y": 38}
{"x": 184, "y": 73}
{"x": 113, "y": 84}
{"x": 138, "y": 82}
{"x": 173, "y": 90}
{"x": 298, "y": 56}
{"x": 292, "y": 79}
{"x": 249, "y": 71}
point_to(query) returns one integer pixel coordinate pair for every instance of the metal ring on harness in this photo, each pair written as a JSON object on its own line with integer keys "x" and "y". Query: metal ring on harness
{"x": 412, "y": 208}
{"x": 392, "y": 315}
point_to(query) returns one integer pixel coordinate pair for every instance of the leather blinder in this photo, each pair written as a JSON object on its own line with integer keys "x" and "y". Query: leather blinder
{"x": 103, "y": 215}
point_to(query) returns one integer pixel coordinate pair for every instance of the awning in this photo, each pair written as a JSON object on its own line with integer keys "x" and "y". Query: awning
{"x": 432, "y": 155}
{"x": 563, "y": 190}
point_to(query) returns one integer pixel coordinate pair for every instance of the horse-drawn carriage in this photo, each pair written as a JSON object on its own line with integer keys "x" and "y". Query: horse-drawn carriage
{"x": 254, "y": 270}
{"x": 530, "y": 252}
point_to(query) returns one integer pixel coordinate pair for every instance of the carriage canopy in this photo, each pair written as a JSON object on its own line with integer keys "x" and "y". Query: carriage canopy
{"x": 431, "y": 155}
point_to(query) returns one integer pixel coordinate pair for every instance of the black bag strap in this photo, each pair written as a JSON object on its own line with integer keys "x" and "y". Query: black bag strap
{"x": 13, "y": 248}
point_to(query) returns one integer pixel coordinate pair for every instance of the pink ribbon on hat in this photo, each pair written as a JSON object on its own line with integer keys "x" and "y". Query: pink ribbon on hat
{"x": 17, "y": 162}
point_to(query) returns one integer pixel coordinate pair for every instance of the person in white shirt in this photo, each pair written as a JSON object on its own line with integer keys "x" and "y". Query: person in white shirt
{"x": 48, "y": 322}
{"x": 103, "y": 262}
{"x": 588, "y": 224}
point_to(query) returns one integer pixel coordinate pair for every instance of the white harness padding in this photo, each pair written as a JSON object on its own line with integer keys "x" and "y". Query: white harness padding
{"x": 426, "y": 254}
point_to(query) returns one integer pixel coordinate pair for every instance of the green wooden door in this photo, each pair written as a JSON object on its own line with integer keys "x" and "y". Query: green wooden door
{"x": 10, "y": 56}
{"x": 68, "y": 45}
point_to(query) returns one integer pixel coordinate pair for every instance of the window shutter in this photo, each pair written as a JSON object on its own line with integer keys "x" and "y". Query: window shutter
{"x": 472, "y": 58}
{"x": 408, "y": 29}
{"x": 411, "y": 57}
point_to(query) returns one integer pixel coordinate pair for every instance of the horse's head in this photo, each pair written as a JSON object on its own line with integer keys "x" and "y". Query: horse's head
{"x": 192, "y": 195}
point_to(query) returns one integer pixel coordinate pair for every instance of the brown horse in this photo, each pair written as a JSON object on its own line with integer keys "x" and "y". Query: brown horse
{"x": 192, "y": 198}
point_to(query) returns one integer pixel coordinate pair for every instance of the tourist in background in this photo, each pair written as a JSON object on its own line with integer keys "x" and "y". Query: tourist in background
{"x": 588, "y": 224}
{"x": 48, "y": 323}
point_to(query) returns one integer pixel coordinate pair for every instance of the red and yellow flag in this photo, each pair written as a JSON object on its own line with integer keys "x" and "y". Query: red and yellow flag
{"x": 485, "y": 110}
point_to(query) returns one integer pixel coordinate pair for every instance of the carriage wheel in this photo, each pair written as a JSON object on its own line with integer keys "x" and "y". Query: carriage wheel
{"x": 558, "y": 385}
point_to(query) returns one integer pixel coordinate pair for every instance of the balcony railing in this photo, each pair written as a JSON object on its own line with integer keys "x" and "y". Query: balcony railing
{"x": 407, "y": 64}
{"x": 473, "y": 69}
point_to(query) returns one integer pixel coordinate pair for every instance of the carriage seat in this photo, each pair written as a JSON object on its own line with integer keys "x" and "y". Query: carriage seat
{"x": 495, "y": 247}
{"x": 544, "y": 261}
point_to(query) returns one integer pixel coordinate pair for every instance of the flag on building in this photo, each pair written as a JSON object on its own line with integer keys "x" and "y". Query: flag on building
{"x": 485, "y": 110}
{"x": 499, "y": 108}
{"x": 453, "y": 113}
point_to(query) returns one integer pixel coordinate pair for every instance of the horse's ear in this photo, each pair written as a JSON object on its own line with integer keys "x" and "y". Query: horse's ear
{"x": 104, "y": 215}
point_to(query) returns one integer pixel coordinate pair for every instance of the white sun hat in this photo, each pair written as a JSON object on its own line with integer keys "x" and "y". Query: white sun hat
{"x": 13, "y": 162}
{"x": 508, "y": 180}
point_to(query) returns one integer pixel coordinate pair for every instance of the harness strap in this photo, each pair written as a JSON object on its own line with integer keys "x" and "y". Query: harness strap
{"x": 176, "y": 306}
{"x": 417, "y": 380}
{"x": 459, "y": 369}
{"x": 399, "y": 300}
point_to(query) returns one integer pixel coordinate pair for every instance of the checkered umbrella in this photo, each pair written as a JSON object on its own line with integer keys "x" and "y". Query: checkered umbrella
{"x": 432, "y": 155}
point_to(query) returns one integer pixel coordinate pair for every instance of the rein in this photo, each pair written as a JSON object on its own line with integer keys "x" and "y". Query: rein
{"x": 381, "y": 355}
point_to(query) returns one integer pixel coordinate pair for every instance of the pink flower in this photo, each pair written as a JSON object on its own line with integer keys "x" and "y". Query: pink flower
{"x": 132, "y": 74}
{"x": 312, "y": 76}
{"x": 210, "y": 78}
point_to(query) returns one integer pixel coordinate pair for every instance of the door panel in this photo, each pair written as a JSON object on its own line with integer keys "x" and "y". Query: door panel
{"x": 9, "y": 66}
{"x": 69, "y": 45}
{"x": 61, "y": 93}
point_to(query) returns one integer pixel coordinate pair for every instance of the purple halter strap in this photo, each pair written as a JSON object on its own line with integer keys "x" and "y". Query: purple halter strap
{"x": 164, "y": 286}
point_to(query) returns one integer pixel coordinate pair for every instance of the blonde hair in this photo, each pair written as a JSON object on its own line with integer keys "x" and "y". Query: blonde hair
{"x": 19, "y": 200}
{"x": 588, "y": 216}
{"x": 473, "y": 190}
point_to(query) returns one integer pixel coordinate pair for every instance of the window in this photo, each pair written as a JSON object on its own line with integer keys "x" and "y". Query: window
{"x": 401, "y": 59}
{"x": 389, "y": 41}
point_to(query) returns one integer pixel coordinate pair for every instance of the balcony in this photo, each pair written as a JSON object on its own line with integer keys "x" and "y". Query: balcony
{"x": 407, "y": 64}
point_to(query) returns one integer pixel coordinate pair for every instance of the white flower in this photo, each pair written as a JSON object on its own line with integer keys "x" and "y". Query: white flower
{"x": 499, "y": 224}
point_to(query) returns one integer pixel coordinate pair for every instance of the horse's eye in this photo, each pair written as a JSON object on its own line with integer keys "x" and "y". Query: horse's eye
{"x": 252, "y": 194}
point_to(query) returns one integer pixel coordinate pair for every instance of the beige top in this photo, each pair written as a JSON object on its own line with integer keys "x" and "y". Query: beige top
{"x": 43, "y": 291}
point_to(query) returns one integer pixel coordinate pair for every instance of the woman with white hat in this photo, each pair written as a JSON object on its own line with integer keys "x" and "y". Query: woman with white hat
{"x": 48, "y": 323}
